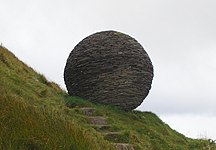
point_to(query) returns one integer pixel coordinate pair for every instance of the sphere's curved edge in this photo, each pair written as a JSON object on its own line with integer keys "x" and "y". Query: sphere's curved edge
{"x": 109, "y": 67}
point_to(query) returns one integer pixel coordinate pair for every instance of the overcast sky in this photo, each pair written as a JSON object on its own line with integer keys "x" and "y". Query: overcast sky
{"x": 179, "y": 36}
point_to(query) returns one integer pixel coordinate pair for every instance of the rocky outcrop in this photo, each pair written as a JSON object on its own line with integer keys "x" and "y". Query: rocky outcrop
{"x": 110, "y": 68}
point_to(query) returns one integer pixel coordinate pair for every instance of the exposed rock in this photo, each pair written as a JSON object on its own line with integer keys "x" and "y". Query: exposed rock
{"x": 115, "y": 137}
{"x": 97, "y": 120}
{"x": 87, "y": 111}
{"x": 102, "y": 127}
{"x": 109, "y": 68}
{"x": 71, "y": 104}
{"x": 123, "y": 146}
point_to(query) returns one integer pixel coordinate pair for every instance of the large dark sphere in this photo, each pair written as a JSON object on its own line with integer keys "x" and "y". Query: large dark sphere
{"x": 109, "y": 68}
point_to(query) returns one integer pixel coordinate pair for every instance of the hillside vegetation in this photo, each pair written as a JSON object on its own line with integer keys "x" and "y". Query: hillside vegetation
{"x": 37, "y": 114}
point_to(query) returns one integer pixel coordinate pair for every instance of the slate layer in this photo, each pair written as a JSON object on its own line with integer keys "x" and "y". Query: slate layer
{"x": 109, "y": 67}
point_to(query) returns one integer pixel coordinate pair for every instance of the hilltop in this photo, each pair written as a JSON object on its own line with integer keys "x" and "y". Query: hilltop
{"x": 36, "y": 114}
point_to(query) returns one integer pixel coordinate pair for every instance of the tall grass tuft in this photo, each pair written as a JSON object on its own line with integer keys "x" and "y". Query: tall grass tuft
{"x": 26, "y": 127}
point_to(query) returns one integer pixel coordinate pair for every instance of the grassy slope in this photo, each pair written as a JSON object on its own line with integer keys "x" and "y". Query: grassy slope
{"x": 33, "y": 115}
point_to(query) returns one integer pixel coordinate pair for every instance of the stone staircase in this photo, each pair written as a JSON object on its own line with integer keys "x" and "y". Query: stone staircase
{"x": 100, "y": 124}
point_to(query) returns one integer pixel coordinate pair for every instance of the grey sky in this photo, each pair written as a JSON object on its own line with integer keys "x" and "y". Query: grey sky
{"x": 179, "y": 36}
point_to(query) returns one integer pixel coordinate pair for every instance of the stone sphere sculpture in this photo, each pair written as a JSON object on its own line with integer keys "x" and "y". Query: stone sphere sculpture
{"x": 109, "y": 67}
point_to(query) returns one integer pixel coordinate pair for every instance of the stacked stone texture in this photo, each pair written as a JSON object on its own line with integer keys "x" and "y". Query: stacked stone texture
{"x": 109, "y": 67}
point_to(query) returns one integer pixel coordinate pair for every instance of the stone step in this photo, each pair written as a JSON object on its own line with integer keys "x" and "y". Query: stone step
{"x": 115, "y": 137}
{"x": 88, "y": 111}
{"x": 71, "y": 104}
{"x": 111, "y": 133}
{"x": 101, "y": 128}
{"x": 123, "y": 146}
{"x": 97, "y": 120}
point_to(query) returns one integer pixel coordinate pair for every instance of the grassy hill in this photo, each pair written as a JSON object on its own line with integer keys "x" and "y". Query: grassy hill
{"x": 37, "y": 114}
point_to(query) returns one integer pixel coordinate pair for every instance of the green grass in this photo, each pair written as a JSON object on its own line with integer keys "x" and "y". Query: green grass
{"x": 33, "y": 115}
{"x": 144, "y": 129}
